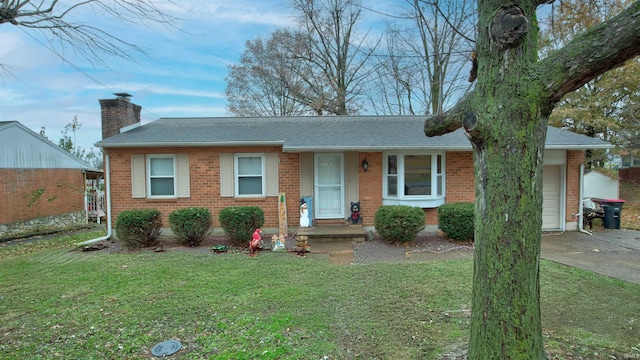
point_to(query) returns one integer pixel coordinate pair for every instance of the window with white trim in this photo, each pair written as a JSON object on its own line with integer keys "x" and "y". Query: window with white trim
{"x": 249, "y": 175}
{"x": 413, "y": 178}
{"x": 162, "y": 176}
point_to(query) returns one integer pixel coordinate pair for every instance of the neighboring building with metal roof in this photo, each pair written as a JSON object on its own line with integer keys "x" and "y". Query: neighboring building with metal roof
{"x": 332, "y": 161}
{"x": 41, "y": 185}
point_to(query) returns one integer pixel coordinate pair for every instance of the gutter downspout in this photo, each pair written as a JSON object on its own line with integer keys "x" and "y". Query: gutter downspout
{"x": 108, "y": 194}
{"x": 580, "y": 209}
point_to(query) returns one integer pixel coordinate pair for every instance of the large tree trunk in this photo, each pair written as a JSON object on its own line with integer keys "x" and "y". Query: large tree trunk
{"x": 508, "y": 148}
{"x": 505, "y": 117}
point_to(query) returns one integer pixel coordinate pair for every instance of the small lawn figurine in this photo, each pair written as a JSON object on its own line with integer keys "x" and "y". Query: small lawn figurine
{"x": 254, "y": 244}
{"x": 355, "y": 214}
{"x": 304, "y": 214}
{"x": 278, "y": 242}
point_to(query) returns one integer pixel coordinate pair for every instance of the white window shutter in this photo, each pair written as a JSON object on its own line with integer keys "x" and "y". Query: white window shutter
{"x": 138, "y": 179}
{"x": 182, "y": 175}
{"x": 271, "y": 173}
{"x": 226, "y": 175}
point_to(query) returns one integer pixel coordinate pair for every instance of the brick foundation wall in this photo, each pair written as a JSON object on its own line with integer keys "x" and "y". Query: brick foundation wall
{"x": 37, "y": 193}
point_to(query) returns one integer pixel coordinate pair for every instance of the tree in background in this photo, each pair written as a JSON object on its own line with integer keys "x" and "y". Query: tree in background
{"x": 54, "y": 20}
{"x": 505, "y": 118}
{"x": 425, "y": 65}
{"x": 335, "y": 56}
{"x": 319, "y": 67}
{"x": 264, "y": 82}
{"x": 325, "y": 65}
{"x": 607, "y": 106}
{"x": 68, "y": 143}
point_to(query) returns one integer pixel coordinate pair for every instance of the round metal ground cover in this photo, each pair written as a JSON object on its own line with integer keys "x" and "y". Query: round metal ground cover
{"x": 166, "y": 348}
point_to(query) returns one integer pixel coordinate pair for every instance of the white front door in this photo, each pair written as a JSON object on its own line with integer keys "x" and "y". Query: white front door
{"x": 329, "y": 186}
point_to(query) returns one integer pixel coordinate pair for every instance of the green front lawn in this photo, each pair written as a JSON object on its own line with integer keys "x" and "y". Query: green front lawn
{"x": 94, "y": 305}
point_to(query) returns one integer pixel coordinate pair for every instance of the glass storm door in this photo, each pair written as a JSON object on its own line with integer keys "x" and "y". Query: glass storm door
{"x": 329, "y": 186}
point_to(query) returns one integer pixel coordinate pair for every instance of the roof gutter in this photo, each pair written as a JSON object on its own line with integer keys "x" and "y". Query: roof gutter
{"x": 190, "y": 144}
{"x": 108, "y": 194}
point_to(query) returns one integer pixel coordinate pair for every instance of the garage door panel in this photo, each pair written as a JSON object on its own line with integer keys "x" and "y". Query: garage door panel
{"x": 551, "y": 196}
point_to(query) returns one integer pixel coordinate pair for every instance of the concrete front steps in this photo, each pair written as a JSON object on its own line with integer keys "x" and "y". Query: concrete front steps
{"x": 331, "y": 233}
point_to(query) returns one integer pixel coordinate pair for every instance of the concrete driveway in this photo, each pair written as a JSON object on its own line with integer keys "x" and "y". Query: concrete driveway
{"x": 613, "y": 253}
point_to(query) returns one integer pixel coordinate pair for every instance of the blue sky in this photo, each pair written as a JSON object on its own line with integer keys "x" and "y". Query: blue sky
{"x": 182, "y": 76}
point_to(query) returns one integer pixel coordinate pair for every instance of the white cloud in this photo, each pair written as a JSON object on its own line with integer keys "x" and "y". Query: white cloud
{"x": 183, "y": 75}
{"x": 150, "y": 89}
{"x": 201, "y": 110}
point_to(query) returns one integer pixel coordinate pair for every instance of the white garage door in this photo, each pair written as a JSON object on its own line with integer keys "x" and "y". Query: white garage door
{"x": 551, "y": 195}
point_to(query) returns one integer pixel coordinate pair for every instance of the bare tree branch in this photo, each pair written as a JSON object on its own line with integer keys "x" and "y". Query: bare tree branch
{"x": 596, "y": 51}
{"x": 451, "y": 120}
{"x": 604, "y": 47}
{"x": 50, "y": 17}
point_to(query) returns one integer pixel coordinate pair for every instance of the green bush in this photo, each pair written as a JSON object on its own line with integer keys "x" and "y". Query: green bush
{"x": 456, "y": 220}
{"x": 191, "y": 225}
{"x": 139, "y": 228}
{"x": 239, "y": 222}
{"x": 399, "y": 223}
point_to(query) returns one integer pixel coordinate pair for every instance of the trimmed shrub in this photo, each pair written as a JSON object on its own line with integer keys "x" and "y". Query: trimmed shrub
{"x": 239, "y": 222}
{"x": 456, "y": 220}
{"x": 399, "y": 223}
{"x": 139, "y": 228}
{"x": 191, "y": 225}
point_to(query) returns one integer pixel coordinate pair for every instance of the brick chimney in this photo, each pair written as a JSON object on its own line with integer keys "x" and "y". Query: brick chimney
{"x": 118, "y": 113}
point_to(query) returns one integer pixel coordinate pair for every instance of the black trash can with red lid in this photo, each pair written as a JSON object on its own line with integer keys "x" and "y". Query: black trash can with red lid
{"x": 612, "y": 212}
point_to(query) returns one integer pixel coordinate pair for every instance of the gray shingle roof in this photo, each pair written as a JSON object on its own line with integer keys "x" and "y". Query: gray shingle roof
{"x": 314, "y": 133}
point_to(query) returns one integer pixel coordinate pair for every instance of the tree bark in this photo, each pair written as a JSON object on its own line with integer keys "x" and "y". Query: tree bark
{"x": 506, "y": 120}
{"x": 508, "y": 146}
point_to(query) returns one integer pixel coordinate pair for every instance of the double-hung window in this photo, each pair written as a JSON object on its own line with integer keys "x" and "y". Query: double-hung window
{"x": 162, "y": 176}
{"x": 249, "y": 175}
{"x": 415, "y": 179}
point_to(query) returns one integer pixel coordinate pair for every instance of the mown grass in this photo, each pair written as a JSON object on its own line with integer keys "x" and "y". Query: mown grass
{"x": 57, "y": 303}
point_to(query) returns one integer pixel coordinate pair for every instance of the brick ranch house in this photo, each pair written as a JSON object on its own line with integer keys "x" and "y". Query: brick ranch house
{"x": 173, "y": 163}
{"x": 42, "y": 186}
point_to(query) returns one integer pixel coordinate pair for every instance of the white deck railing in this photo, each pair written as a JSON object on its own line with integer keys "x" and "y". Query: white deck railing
{"x": 95, "y": 205}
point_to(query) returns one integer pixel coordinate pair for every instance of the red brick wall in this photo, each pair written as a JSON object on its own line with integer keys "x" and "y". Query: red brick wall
{"x": 63, "y": 193}
{"x": 460, "y": 177}
{"x": 459, "y": 181}
{"x": 204, "y": 174}
{"x": 205, "y": 184}
{"x": 370, "y": 186}
{"x": 631, "y": 174}
{"x": 573, "y": 203}
{"x": 116, "y": 114}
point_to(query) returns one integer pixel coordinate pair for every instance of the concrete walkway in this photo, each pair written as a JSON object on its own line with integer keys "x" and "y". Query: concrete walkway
{"x": 613, "y": 253}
